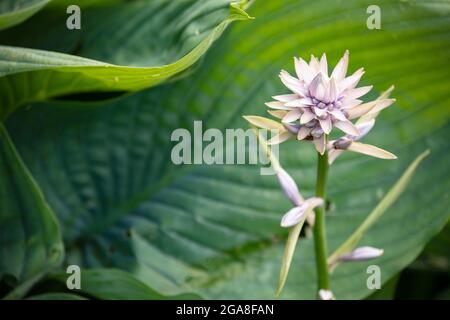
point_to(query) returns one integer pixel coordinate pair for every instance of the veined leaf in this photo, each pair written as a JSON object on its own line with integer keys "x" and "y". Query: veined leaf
{"x": 110, "y": 284}
{"x": 107, "y": 172}
{"x": 30, "y": 238}
{"x": 30, "y": 75}
{"x": 379, "y": 210}
{"x": 13, "y": 12}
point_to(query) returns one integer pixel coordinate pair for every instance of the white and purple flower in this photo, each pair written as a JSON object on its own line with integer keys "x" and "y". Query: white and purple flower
{"x": 318, "y": 102}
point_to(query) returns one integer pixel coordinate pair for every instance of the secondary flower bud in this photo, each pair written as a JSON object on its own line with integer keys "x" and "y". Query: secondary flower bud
{"x": 289, "y": 187}
{"x": 295, "y": 215}
{"x": 362, "y": 254}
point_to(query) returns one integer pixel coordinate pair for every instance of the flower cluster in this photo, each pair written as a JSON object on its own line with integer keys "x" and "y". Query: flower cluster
{"x": 318, "y": 102}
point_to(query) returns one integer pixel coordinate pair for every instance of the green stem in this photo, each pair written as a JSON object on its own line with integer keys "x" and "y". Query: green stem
{"x": 320, "y": 242}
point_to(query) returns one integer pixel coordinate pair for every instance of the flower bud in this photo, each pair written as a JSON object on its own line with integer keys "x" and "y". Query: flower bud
{"x": 361, "y": 254}
{"x": 289, "y": 187}
{"x": 294, "y": 216}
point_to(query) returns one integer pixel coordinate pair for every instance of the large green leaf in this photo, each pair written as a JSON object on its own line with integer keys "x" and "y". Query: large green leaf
{"x": 30, "y": 239}
{"x": 13, "y": 12}
{"x": 111, "y": 284}
{"x": 215, "y": 229}
{"x": 144, "y": 43}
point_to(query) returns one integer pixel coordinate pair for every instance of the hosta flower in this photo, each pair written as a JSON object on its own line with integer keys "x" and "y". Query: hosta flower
{"x": 302, "y": 208}
{"x": 320, "y": 101}
{"x": 362, "y": 254}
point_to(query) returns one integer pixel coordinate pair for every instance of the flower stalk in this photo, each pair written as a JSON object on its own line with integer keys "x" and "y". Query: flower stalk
{"x": 320, "y": 242}
{"x": 318, "y": 102}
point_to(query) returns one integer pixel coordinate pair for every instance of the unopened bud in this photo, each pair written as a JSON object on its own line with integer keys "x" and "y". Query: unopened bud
{"x": 362, "y": 254}
{"x": 289, "y": 187}
{"x": 294, "y": 216}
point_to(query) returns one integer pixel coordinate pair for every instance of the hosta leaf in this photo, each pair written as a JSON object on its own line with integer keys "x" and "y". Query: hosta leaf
{"x": 13, "y": 12}
{"x": 110, "y": 284}
{"x": 106, "y": 169}
{"x": 157, "y": 48}
{"x": 387, "y": 201}
{"x": 30, "y": 239}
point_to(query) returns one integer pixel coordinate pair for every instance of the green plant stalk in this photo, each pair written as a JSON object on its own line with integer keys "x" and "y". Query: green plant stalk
{"x": 320, "y": 242}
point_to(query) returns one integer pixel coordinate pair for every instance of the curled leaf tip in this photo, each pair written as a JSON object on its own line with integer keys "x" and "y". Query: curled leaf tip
{"x": 238, "y": 8}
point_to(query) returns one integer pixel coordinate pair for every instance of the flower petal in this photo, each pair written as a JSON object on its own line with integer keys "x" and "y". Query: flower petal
{"x": 357, "y": 92}
{"x": 303, "y": 132}
{"x": 279, "y": 138}
{"x": 321, "y": 113}
{"x": 370, "y": 150}
{"x": 319, "y": 143}
{"x": 307, "y": 101}
{"x": 333, "y": 154}
{"x": 289, "y": 187}
{"x": 314, "y": 64}
{"x": 381, "y": 105}
{"x": 292, "y": 128}
{"x": 364, "y": 128}
{"x": 293, "y": 84}
{"x": 286, "y": 97}
{"x": 323, "y": 65}
{"x": 296, "y": 103}
{"x": 314, "y": 202}
{"x": 332, "y": 91}
{"x": 386, "y": 93}
{"x": 341, "y": 68}
{"x": 351, "y": 81}
{"x": 294, "y": 216}
{"x": 277, "y": 105}
{"x": 307, "y": 116}
{"x": 278, "y": 113}
{"x": 377, "y": 108}
{"x": 350, "y": 103}
{"x": 318, "y": 87}
{"x": 347, "y": 127}
{"x": 360, "y": 110}
{"x": 326, "y": 125}
{"x": 292, "y": 115}
{"x": 302, "y": 70}
{"x": 264, "y": 123}
{"x": 338, "y": 114}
